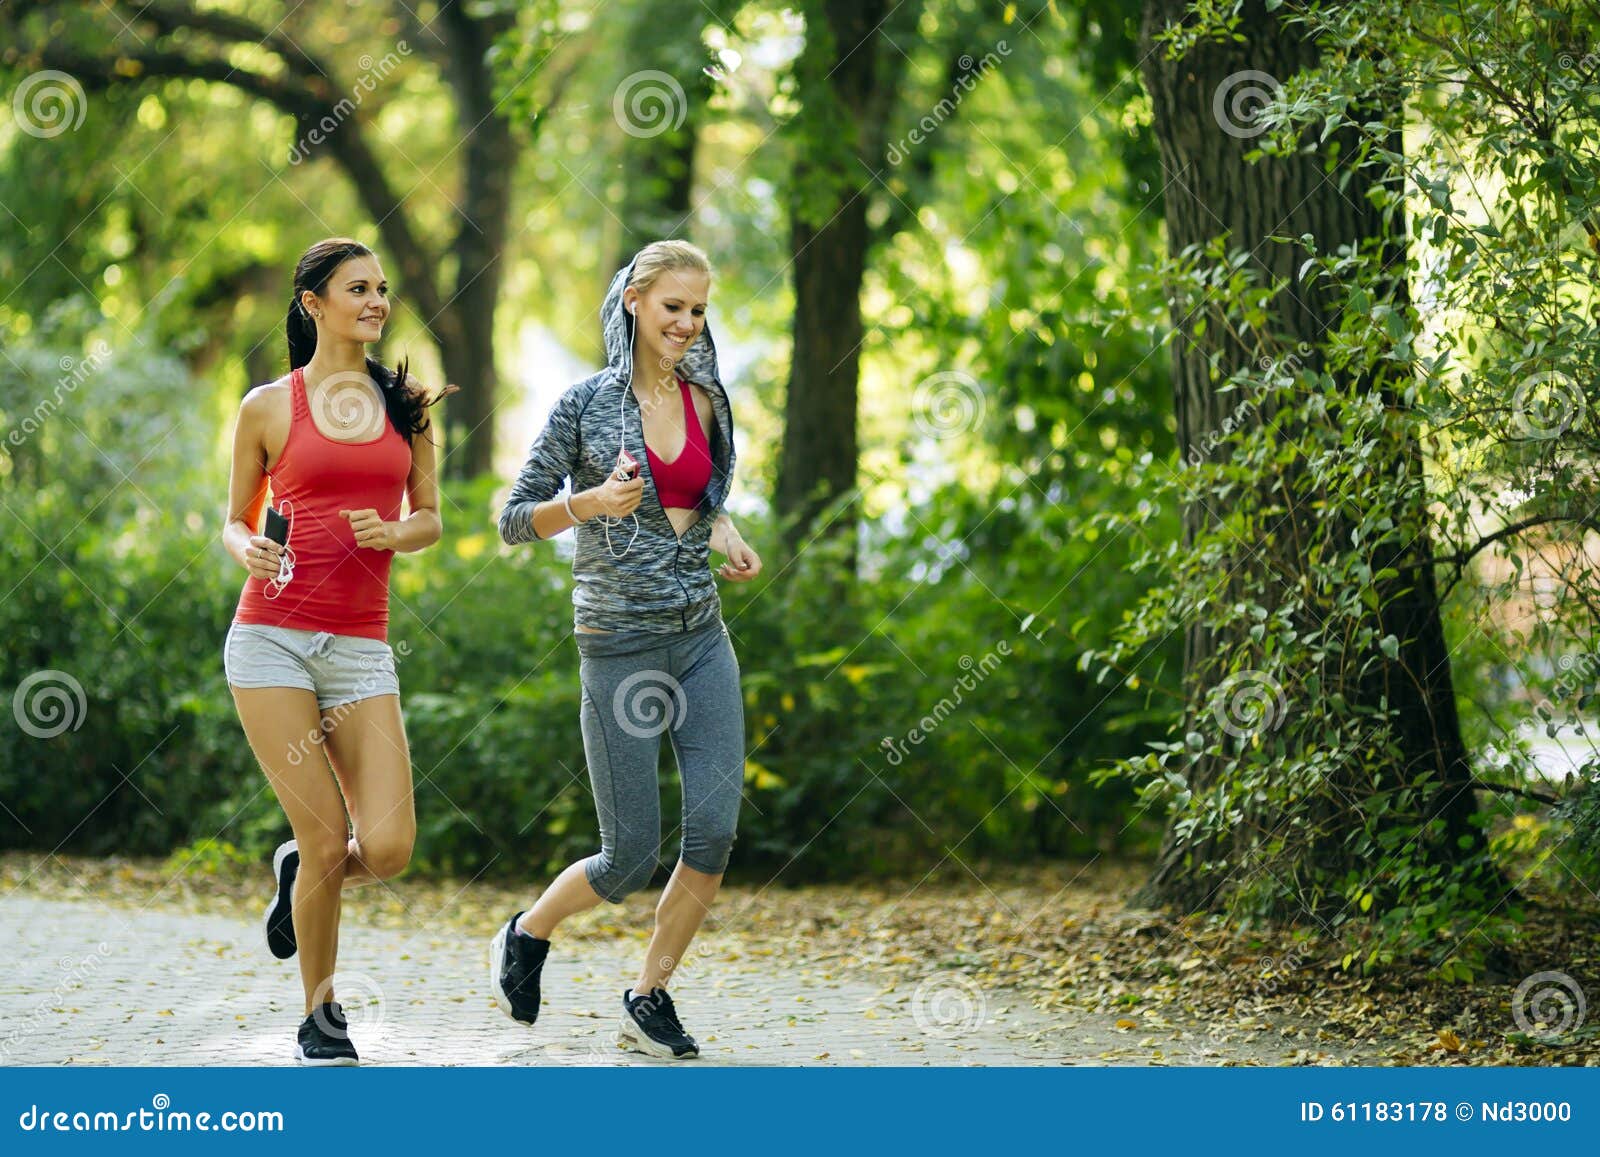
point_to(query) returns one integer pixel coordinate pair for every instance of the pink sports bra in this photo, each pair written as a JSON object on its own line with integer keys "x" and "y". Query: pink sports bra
{"x": 683, "y": 481}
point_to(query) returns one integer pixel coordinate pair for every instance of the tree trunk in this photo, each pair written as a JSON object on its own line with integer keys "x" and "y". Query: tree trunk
{"x": 460, "y": 321}
{"x": 1210, "y": 191}
{"x": 490, "y": 156}
{"x": 657, "y": 177}
{"x": 848, "y": 73}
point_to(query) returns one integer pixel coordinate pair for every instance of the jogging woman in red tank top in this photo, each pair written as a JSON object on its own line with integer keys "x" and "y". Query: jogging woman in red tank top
{"x": 332, "y": 447}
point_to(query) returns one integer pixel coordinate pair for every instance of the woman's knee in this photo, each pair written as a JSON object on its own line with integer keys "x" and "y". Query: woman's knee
{"x": 322, "y": 850}
{"x": 707, "y": 849}
{"x": 616, "y": 876}
{"x": 386, "y": 857}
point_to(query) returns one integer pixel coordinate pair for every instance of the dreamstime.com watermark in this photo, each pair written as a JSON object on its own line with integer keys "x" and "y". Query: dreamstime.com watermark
{"x": 362, "y": 1002}
{"x": 1237, "y": 103}
{"x": 1275, "y": 373}
{"x": 48, "y": 703}
{"x": 1579, "y": 675}
{"x": 1249, "y": 703}
{"x": 949, "y": 1004}
{"x": 898, "y": 749}
{"x": 159, "y": 1118}
{"x": 373, "y": 73}
{"x": 74, "y": 372}
{"x": 1269, "y": 975}
{"x": 49, "y": 103}
{"x": 972, "y": 74}
{"x": 649, "y": 103}
{"x": 649, "y": 702}
{"x": 1548, "y": 1006}
{"x": 74, "y": 973}
{"x": 947, "y": 404}
{"x": 377, "y": 671}
{"x": 1546, "y": 405}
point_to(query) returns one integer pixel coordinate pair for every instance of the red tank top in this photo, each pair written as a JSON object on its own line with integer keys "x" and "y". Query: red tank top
{"x": 337, "y": 587}
{"x": 683, "y": 481}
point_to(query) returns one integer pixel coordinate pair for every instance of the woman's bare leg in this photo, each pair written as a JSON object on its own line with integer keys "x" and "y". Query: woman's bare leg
{"x": 568, "y": 895}
{"x": 373, "y": 762}
{"x": 277, "y": 721}
{"x": 682, "y": 907}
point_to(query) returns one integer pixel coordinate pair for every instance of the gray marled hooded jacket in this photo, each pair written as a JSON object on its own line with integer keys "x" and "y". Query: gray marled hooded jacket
{"x": 663, "y": 582}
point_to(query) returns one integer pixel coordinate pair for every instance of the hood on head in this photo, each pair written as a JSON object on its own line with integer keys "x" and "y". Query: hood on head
{"x": 699, "y": 361}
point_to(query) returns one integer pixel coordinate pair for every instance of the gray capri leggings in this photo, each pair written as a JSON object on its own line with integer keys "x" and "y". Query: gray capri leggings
{"x": 637, "y": 684}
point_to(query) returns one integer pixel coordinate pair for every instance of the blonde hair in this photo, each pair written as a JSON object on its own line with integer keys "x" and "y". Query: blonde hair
{"x": 660, "y": 257}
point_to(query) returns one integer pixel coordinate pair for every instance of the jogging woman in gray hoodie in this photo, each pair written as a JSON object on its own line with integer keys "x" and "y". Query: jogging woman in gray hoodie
{"x": 647, "y": 444}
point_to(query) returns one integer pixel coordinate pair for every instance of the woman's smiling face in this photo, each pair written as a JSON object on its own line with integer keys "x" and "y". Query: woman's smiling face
{"x": 355, "y": 302}
{"x": 669, "y": 316}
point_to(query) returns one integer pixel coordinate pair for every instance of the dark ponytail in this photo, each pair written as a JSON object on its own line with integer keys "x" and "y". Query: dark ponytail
{"x": 406, "y": 405}
{"x": 302, "y": 334}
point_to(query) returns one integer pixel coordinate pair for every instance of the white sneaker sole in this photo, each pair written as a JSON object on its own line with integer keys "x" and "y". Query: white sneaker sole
{"x": 635, "y": 1040}
{"x": 277, "y": 879}
{"x": 300, "y": 1058}
{"x": 497, "y": 953}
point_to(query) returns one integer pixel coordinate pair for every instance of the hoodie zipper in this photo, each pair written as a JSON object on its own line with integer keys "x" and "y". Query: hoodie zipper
{"x": 677, "y": 539}
{"x": 629, "y": 329}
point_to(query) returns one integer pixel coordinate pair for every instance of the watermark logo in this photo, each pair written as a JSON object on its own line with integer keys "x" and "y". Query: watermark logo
{"x": 1548, "y": 1005}
{"x": 378, "y": 677}
{"x": 947, "y": 404}
{"x": 1546, "y": 406}
{"x": 1238, "y": 102}
{"x": 647, "y": 703}
{"x": 373, "y": 73}
{"x": 949, "y": 1004}
{"x": 972, "y": 74}
{"x": 1248, "y": 703}
{"x": 362, "y": 1001}
{"x": 49, "y": 103}
{"x": 649, "y": 103}
{"x": 74, "y": 372}
{"x": 348, "y": 402}
{"x": 976, "y": 671}
{"x": 48, "y": 703}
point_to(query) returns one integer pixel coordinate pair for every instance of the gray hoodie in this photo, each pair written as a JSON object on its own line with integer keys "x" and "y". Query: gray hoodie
{"x": 662, "y": 582}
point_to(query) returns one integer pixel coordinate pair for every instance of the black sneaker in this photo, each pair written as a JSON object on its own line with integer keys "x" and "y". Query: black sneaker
{"x": 515, "y": 962}
{"x": 280, "y": 912}
{"x": 324, "y": 1039}
{"x": 650, "y": 1025}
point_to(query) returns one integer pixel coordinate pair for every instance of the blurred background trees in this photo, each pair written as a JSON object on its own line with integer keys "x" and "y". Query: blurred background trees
{"x": 1272, "y": 603}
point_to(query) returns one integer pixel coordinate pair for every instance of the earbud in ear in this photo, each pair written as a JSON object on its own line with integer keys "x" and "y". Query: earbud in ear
{"x": 633, "y": 308}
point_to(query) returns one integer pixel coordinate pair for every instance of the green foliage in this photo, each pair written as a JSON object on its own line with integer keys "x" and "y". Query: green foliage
{"x": 941, "y": 733}
{"x": 1458, "y": 439}
{"x": 115, "y": 590}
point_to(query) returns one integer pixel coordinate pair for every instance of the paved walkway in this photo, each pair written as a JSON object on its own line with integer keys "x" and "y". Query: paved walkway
{"x": 91, "y": 985}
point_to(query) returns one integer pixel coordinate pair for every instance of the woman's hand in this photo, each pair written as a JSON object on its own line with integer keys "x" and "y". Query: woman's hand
{"x": 262, "y": 557}
{"x": 743, "y": 563}
{"x": 617, "y": 497}
{"x": 371, "y": 531}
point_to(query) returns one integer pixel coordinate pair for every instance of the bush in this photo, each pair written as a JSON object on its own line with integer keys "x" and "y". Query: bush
{"x": 927, "y": 709}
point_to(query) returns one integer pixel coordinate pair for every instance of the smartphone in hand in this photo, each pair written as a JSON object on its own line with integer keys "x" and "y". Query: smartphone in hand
{"x": 277, "y": 527}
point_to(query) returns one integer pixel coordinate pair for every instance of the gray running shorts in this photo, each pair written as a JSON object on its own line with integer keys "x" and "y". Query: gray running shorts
{"x": 337, "y": 668}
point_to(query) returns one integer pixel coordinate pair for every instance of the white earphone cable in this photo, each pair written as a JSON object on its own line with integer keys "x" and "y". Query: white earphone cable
{"x": 274, "y": 586}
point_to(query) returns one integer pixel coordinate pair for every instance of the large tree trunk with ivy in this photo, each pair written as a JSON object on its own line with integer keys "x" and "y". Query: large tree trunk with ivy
{"x": 1204, "y": 125}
